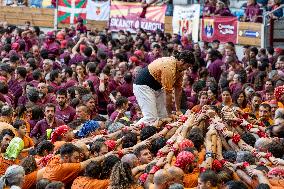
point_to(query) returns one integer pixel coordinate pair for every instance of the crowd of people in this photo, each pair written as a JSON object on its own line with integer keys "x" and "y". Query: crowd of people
{"x": 84, "y": 109}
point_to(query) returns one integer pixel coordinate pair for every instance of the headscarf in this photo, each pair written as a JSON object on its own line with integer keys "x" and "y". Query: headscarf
{"x": 278, "y": 92}
{"x": 59, "y": 132}
{"x": 185, "y": 143}
{"x": 87, "y": 128}
{"x": 276, "y": 172}
{"x": 184, "y": 158}
{"x": 15, "y": 147}
{"x": 111, "y": 144}
{"x": 13, "y": 175}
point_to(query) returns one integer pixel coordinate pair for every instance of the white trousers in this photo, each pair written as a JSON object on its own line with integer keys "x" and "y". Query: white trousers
{"x": 151, "y": 102}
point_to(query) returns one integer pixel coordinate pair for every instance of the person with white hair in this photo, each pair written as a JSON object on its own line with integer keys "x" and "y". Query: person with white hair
{"x": 13, "y": 177}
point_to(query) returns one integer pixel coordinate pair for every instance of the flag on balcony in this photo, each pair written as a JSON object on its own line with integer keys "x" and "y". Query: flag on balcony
{"x": 98, "y": 10}
{"x": 70, "y": 10}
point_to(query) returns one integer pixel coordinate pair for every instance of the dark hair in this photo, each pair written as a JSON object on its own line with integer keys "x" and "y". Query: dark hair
{"x": 210, "y": 176}
{"x": 197, "y": 139}
{"x": 276, "y": 148}
{"x": 14, "y": 58}
{"x": 254, "y": 50}
{"x": 230, "y": 156}
{"x": 68, "y": 149}
{"x": 96, "y": 146}
{"x": 138, "y": 150}
{"x": 54, "y": 74}
{"x": 55, "y": 185}
{"x": 21, "y": 71}
{"x": 50, "y": 105}
{"x": 248, "y": 138}
{"x": 107, "y": 166}
{"x": 157, "y": 144}
{"x": 88, "y": 51}
{"x": 236, "y": 96}
{"x": 37, "y": 112}
{"x": 266, "y": 106}
{"x": 44, "y": 145}
{"x": 18, "y": 123}
{"x": 42, "y": 183}
{"x": 121, "y": 176}
{"x": 93, "y": 170}
{"x": 37, "y": 74}
{"x": 6, "y": 132}
{"x": 91, "y": 67}
{"x": 263, "y": 186}
{"x": 121, "y": 101}
{"x": 29, "y": 164}
{"x": 62, "y": 92}
{"x": 236, "y": 185}
{"x": 147, "y": 132}
{"x": 69, "y": 71}
{"x": 129, "y": 140}
{"x": 186, "y": 56}
{"x": 128, "y": 77}
{"x": 32, "y": 63}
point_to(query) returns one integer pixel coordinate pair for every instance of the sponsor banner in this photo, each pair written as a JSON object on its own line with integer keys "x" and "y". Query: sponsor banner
{"x": 186, "y": 20}
{"x": 222, "y": 28}
{"x": 128, "y": 16}
{"x": 249, "y": 33}
{"x": 98, "y": 10}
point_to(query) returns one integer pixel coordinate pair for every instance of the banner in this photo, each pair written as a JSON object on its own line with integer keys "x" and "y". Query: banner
{"x": 126, "y": 16}
{"x": 98, "y": 10}
{"x": 186, "y": 20}
{"x": 70, "y": 10}
{"x": 222, "y": 28}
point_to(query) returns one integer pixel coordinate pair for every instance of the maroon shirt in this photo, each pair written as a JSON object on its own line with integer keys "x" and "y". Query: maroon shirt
{"x": 49, "y": 98}
{"x": 67, "y": 114}
{"x": 94, "y": 79}
{"x": 70, "y": 83}
{"x": 55, "y": 86}
{"x": 215, "y": 70}
{"x": 126, "y": 89}
{"x": 112, "y": 85}
{"x": 39, "y": 130}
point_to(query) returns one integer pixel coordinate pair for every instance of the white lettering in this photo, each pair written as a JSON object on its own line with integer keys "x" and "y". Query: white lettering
{"x": 226, "y": 29}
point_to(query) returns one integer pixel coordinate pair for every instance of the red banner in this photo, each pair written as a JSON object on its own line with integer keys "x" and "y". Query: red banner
{"x": 222, "y": 28}
{"x": 127, "y": 16}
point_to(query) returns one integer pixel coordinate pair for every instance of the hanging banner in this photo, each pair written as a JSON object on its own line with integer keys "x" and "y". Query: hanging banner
{"x": 222, "y": 28}
{"x": 70, "y": 10}
{"x": 127, "y": 16}
{"x": 98, "y": 10}
{"x": 186, "y": 20}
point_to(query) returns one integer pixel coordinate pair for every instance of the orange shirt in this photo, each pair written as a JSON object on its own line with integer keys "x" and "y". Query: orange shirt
{"x": 30, "y": 180}
{"x": 64, "y": 172}
{"x": 89, "y": 183}
{"x": 58, "y": 144}
{"x": 276, "y": 183}
{"x": 190, "y": 180}
{"x": 164, "y": 71}
{"x": 5, "y": 163}
{"x": 28, "y": 142}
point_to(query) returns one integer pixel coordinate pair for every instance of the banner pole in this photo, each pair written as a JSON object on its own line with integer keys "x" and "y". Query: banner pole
{"x": 55, "y": 16}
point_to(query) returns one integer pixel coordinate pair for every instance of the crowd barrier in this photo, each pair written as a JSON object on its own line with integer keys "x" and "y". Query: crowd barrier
{"x": 246, "y": 33}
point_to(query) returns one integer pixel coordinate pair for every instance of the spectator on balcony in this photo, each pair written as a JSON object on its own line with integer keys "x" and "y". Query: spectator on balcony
{"x": 278, "y": 13}
{"x": 209, "y": 8}
{"x": 222, "y": 9}
{"x": 253, "y": 13}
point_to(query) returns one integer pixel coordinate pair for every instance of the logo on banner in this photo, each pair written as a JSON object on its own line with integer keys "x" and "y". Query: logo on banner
{"x": 98, "y": 10}
{"x": 209, "y": 27}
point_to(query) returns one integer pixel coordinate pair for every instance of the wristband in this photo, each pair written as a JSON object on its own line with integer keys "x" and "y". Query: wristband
{"x": 160, "y": 154}
{"x": 236, "y": 138}
{"x": 154, "y": 169}
{"x": 249, "y": 126}
{"x": 169, "y": 127}
{"x": 170, "y": 142}
{"x": 120, "y": 153}
{"x": 183, "y": 118}
{"x": 268, "y": 155}
{"x": 245, "y": 164}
